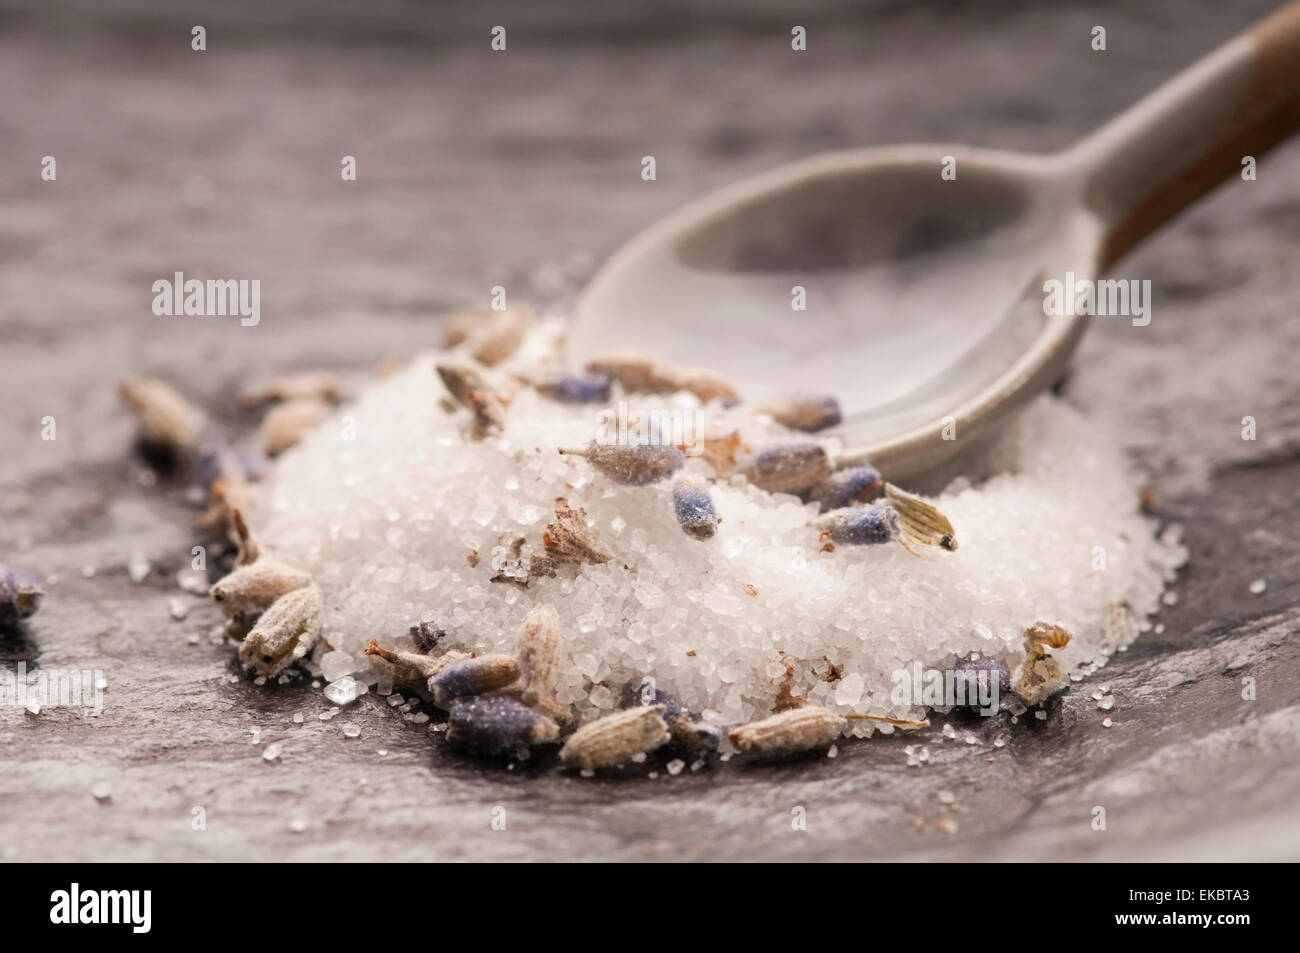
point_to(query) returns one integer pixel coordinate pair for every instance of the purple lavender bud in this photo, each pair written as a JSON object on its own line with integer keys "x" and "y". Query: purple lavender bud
{"x": 865, "y": 526}
{"x": 497, "y": 725}
{"x": 474, "y": 676}
{"x": 20, "y": 596}
{"x": 846, "y": 487}
{"x": 577, "y": 388}
{"x": 694, "y": 508}
{"x": 642, "y": 691}
{"x": 986, "y": 676}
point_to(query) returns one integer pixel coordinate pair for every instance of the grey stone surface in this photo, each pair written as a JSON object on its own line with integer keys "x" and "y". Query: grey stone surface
{"x": 473, "y": 169}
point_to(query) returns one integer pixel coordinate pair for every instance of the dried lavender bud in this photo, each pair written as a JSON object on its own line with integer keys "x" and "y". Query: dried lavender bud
{"x": 637, "y": 373}
{"x": 539, "y": 663}
{"x": 704, "y": 384}
{"x": 286, "y": 424}
{"x": 489, "y": 414}
{"x": 474, "y": 676}
{"x": 216, "y": 463}
{"x": 414, "y": 668}
{"x": 426, "y": 636}
{"x": 641, "y": 692}
{"x": 986, "y": 676}
{"x": 461, "y": 381}
{"x": 1044, "y": 635}
{"x": 166, "y": 420}
{"x": 490, "y": 336}
{"x": 250, "y": 590}
{"x": 249, "y": 547}
{"x": 695, "y": 736}
{"x": 638, "y": 464}
{"x": 20, "y": 596}
{"x": 846, "y": 487}
{"x": 225, "y": 497}
{"x": 497, "y": 726}
{"x": 798, "y": 729}
{"x": 643, "y": 375}
{"x": 787, "y": 468}
{"x": 295, "y": 385}
{"x": 1039, "y": 676}
{"x": 577, "y": 388}
{"x": 286, "y": 632}
{"x": 863, "y": 526}
{"x": 694, "y": 507}
{"x": 568, "y": 541}
{"x": 922, "y": 524}
{"x": 807, "y": 412}
{"x": 616, "y": 738}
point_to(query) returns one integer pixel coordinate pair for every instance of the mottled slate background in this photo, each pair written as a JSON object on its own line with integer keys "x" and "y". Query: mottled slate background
{"x": 476, "y": 168}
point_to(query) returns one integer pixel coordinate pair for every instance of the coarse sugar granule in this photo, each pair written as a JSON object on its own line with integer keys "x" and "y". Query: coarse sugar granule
{"x": 382, "y": 521}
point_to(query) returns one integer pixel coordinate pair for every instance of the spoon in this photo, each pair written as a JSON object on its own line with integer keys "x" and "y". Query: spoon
{"x": 924, "y": 297}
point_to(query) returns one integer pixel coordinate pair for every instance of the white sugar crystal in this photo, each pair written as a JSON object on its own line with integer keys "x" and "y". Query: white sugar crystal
{"x": 351, "y": 731}
{"x": 33, "y": 705}
{"x": 1258, "y": 586}
{"x": 848, "y": 691}
{"x": 297, "y": 825}
{"x": 384, "y": 522}
{"x": 676, "y": 766}
{"x": 343, "y": 691}
{"x": 272, "y": 751}
{"x": 102, "y": 792}
{"x": 177, "y": 608}
{"x": 335, "y": 665}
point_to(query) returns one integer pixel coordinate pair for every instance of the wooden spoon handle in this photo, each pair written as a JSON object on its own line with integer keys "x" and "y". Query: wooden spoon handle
{"x": 1194, "y": 132}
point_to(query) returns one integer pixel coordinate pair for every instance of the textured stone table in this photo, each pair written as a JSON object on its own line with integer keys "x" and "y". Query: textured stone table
{"x": 477, "y": 168}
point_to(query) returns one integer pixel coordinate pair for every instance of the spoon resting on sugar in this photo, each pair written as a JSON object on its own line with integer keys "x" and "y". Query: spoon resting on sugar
{"x": 925, "y": 272}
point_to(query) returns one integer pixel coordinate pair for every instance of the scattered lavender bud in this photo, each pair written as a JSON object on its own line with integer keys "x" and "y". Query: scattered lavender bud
{"x": 286, "y": 424}
{"x": 694, "y": 507}
{"x": 638, "y": 464}
{"x": 414, "y": 668}
{"x": 615, "y": 738}
{"x": 490, "y": 336}
{"x": 20, "y": 596}
{"x": 497, "y": 726}
{"x": 846, "y": 487}
{"x": 922, "y": 523}
{"x": 987, "y": 674}
{"x": 787, "y": 468}
{"x": 461, "y": 380}
{"x": 166, "y": 421}
{"x": 798, "y": 729}
{"x": 226, "y": 463}
{"x": 473, "y": 676}
{"x": 1039, "y": 675}
{"x": 695, "y": 736}
{"x": 639, "y": 374}
{"x": 250, "y": 590}
{"x": 286, "y": 632}
{"x": 539, "y": 663}
{"x": 641, "y": 692}
{"x": 807, "y": 412}
{"x": 577, "y": 388}
{"x": 249, "y": 548}
{"x": 863, "y": 526}
{"x": 295, "y": 385}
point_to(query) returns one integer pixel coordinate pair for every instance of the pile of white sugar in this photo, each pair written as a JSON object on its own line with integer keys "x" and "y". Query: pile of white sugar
{"x": 400, "y": 517}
